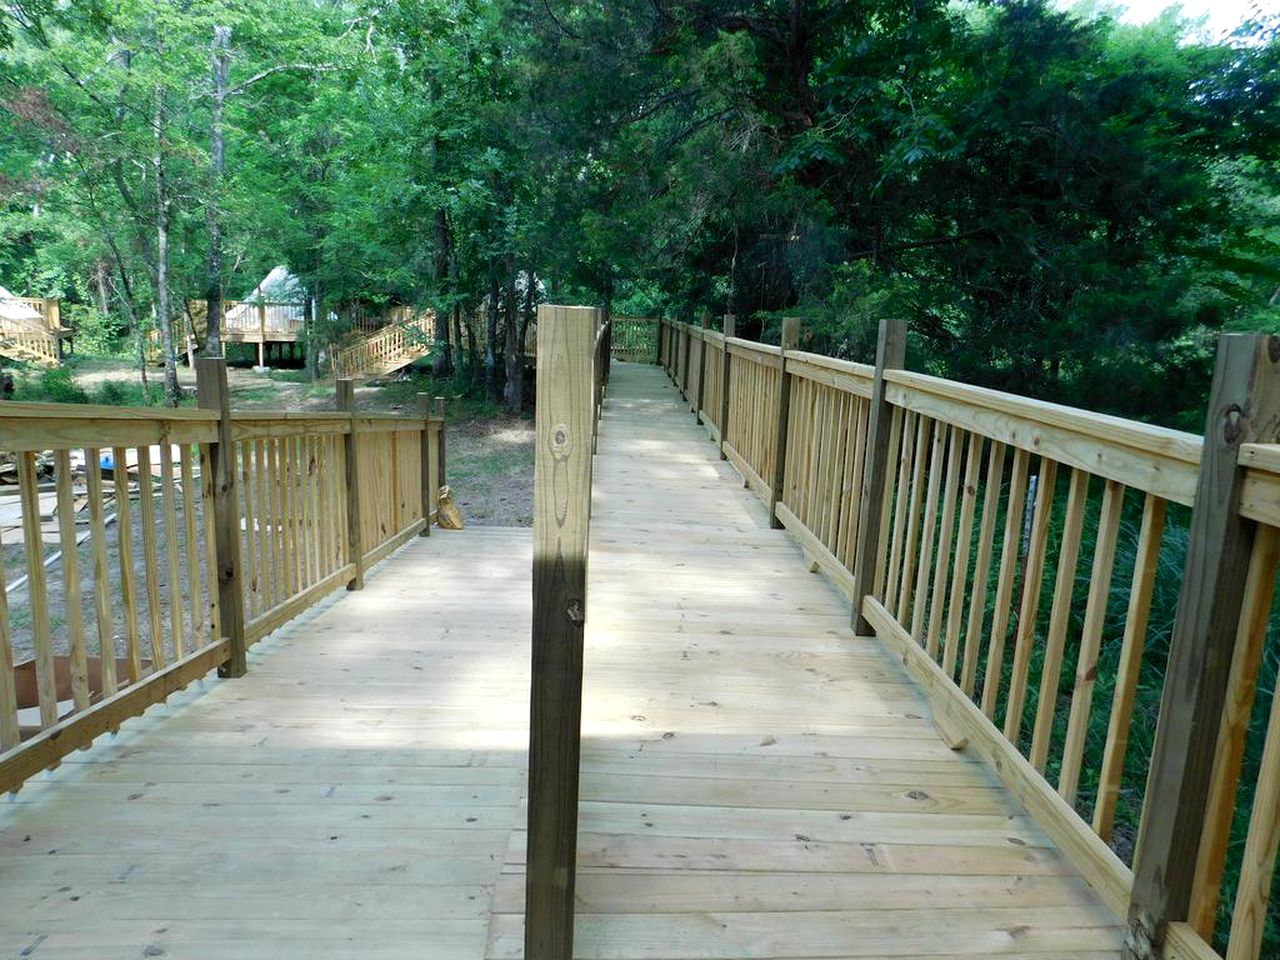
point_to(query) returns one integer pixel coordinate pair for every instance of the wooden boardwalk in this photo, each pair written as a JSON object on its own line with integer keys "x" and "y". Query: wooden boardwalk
{"x": 756, "y": 781}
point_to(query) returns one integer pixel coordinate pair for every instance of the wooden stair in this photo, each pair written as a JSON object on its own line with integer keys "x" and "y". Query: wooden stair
{"x": 385, "y": 350}
{"x": 28, "y": 342}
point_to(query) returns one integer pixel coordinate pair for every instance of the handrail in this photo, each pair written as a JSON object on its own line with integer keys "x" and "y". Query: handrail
{"x": 98, "y": 637}
{"x": 992, "y": 500}
{"x": 635, "y": 339}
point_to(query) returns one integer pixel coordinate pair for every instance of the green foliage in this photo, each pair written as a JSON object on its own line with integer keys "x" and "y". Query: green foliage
{"x": 55, "y": 385}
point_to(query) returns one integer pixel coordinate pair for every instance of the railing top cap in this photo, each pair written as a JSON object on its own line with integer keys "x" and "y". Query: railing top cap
{"x": 84, "y": 411}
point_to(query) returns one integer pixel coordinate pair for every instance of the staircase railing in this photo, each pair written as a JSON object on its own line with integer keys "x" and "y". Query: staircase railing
{"x": 31, "y": 339}
{"x": 384, "y": 349}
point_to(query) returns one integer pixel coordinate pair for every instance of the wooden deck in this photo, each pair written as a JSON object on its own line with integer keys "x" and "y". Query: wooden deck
{"x": 756, "y": 782}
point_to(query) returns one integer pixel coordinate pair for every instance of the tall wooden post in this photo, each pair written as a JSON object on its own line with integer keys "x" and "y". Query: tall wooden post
{"x": 212, "y": 394}
{"x": 427, "y": 461}
{"x": 1244, "y": 407}
{"x": 355, "y": 534}
{"x": 790, "y": 340}
{"x": 891, "y": 354}
{"x": 561, "y": 518}
{"x": 441, "y": 472}
{"x": 730, "y": 330}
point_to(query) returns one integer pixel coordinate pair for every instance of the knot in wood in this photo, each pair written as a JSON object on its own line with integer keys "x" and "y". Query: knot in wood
{"x": 561, "y": 439}
{"x": 577, "y": 616}
{"x": 1233, "y": 423}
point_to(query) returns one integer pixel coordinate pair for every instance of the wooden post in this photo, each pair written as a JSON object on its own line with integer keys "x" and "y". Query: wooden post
{"x": 1244, "y": 407}
{"x": 262, "y": 334}
{"x": 441, "y": 473}
{"x": 891, "y": 354}
{"x": 355, "y": 539}
{"x": 212, "y": 394}
{"x": 426, "y": 463}
{"x": 790, "y": 340}
{"x": 730, "y": 330}
{"x": 561, "y": 516}
{"x": 702, "y": 370}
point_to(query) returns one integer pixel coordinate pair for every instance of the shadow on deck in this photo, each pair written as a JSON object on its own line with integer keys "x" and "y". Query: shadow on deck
{"x": 756, "y": 781}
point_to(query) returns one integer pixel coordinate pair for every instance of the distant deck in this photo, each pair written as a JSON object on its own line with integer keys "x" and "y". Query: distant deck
{"x": 756, "y": 782}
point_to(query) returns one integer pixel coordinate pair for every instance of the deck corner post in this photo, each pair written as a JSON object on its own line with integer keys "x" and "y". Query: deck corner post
{"x": 346, "y": 395}
{"x": 1244, "y": 407}
{"x": 428, "y": 456}
{"x": 790, "y": 340}
{"x": 891, "y": 354}
{"x": 561, "y": 520}
{"x": 212, "y": 394}
{"x": 441, "y": 447}
{"x": 730, "y": 330}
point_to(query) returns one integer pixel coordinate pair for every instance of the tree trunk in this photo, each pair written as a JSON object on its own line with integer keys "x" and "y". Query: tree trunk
{"x": 172, "y": 392}
{"x": 100, "y": 284}
{"x": 491, "y": 341}
{"x": 477, "y": 376}
{"x": 310, "y": 321}
{"x": 443, "y": 253}
{"x": 530, "y": 303}
{"x": 217, "y": 165}
{"x": 125, "y": 295}
{"x": 457, "y": 335}
{"x": 514, "y": 390}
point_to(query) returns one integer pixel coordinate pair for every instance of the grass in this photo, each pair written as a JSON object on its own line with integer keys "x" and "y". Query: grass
{"x": 58, "y": 385}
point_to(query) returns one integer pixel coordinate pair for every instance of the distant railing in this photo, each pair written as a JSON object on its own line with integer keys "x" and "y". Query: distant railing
{"x": 144, "y": 548}
{"x": 385, "y": 349}
{"x": 635, "y": 339}
{"x": 49, "y": 309}
{"x": 959, "y": 519}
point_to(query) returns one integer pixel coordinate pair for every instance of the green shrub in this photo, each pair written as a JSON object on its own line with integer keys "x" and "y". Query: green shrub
{"x": 55, "y": 385}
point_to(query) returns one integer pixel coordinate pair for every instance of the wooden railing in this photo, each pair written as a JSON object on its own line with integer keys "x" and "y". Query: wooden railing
{"x": 635, "y": 339}
{"x": 573, "y": 356}
{"x": 178, "y": 539}
{"x": 29, "y": 340}
{"x": 248, "y": 321}
{"x": 388, "y": 348}
{"x": 49, "y": 309}
{"x": 1009, "y": 551}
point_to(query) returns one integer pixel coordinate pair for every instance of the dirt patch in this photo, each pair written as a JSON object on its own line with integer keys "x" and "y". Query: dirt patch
{"x": 490, "y": 469}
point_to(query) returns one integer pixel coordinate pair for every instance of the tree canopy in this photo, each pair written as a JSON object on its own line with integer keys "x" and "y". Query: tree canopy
{"x": 1057, "y": 202}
